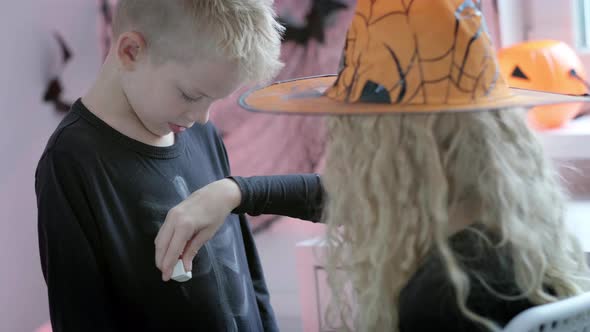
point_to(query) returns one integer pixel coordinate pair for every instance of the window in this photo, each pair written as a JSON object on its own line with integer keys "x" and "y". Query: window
{"x": 582, "y": 24}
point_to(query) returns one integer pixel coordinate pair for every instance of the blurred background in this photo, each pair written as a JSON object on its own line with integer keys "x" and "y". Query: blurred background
{"x": 53, "y": 49}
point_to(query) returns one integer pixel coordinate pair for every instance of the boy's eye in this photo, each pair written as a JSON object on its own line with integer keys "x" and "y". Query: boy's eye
{"x": 189, "y": 98}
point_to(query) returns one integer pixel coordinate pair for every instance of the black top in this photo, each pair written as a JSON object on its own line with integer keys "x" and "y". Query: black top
{"x": 428, "y": 302}
{"x": 101, "y": 199}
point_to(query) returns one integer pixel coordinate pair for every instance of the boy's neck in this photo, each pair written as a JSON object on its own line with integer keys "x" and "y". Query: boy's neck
{"x": 106, "y": 99}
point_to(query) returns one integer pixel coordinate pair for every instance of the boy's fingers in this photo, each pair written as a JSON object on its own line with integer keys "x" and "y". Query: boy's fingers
{"x": 162, "y": 242}
{"x": 179, "y": 239}
{"x": 188, "y": 254}
{"x": 192, "y": 248}
{"x": 202, "y": 237}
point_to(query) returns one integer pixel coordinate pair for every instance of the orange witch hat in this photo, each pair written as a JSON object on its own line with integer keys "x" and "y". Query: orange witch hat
{"x": 404, "y": 56}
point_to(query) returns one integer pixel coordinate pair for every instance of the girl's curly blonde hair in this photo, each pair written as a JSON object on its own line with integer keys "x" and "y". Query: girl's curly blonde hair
{"x": 393, "y": 182}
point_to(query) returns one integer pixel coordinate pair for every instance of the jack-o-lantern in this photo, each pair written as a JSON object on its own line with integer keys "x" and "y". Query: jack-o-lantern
{"x": 550, "y": 66}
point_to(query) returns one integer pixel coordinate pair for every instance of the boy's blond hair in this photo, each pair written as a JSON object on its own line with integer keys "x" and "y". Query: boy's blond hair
{"x": 241, "y": 30}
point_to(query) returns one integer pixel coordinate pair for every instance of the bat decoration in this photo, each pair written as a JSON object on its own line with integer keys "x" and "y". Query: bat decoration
{"x": 54, "y": 90}
{"x": 316, "y": 21}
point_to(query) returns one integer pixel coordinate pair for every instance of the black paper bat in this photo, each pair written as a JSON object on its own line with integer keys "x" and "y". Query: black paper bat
{"x": 315, "y": 24}
{"x": 54, "y": 89}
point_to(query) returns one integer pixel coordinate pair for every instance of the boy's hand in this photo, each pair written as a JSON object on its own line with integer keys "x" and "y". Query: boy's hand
{"x": 192, "y": 223}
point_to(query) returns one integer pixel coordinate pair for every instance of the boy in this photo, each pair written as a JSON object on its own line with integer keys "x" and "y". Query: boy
{"x": 128, "y": 152}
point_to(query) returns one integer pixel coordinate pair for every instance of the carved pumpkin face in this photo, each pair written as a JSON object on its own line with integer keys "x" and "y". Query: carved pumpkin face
{"x": 550, "y": 66}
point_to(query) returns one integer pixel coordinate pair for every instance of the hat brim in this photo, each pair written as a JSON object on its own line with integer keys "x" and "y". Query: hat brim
{"x": 305, "y": 96}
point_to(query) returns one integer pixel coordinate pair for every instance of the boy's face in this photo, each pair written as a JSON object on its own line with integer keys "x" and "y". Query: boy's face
{"x": 172, "y": 96}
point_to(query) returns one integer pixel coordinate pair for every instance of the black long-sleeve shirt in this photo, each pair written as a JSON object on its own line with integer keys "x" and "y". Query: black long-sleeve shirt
{"x": 101, "y": 200}
{"x": 428, "y": 301}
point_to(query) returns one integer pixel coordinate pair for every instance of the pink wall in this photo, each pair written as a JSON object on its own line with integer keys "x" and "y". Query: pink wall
{"x": 28, "y": 51}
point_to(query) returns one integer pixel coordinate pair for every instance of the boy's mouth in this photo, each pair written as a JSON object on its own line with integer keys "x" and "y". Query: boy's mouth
{"x": 176, "y": 128}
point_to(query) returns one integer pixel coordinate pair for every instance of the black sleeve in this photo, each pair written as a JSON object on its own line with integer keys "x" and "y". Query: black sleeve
{"x": 298, "y": 196}
{"x": 78, "y": 297}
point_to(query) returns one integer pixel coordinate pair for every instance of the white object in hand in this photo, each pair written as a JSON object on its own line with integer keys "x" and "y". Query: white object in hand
{"x": 179, "y": 274}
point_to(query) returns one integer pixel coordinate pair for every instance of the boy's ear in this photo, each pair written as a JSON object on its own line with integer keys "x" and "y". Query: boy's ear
{"x": 131, "y": 47}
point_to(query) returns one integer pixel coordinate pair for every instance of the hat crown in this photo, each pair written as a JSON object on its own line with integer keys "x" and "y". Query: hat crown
{"x": 431, "y": 52}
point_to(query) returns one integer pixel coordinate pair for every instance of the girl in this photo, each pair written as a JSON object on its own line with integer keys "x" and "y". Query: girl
{"x": 443, "y": 212}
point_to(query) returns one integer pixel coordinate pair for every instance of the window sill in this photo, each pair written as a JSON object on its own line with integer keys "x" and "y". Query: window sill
{"x": 571, "y": 142}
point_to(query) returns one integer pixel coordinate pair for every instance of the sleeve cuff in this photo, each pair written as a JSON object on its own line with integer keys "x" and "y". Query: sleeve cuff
{"x": 245, "y": 191}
